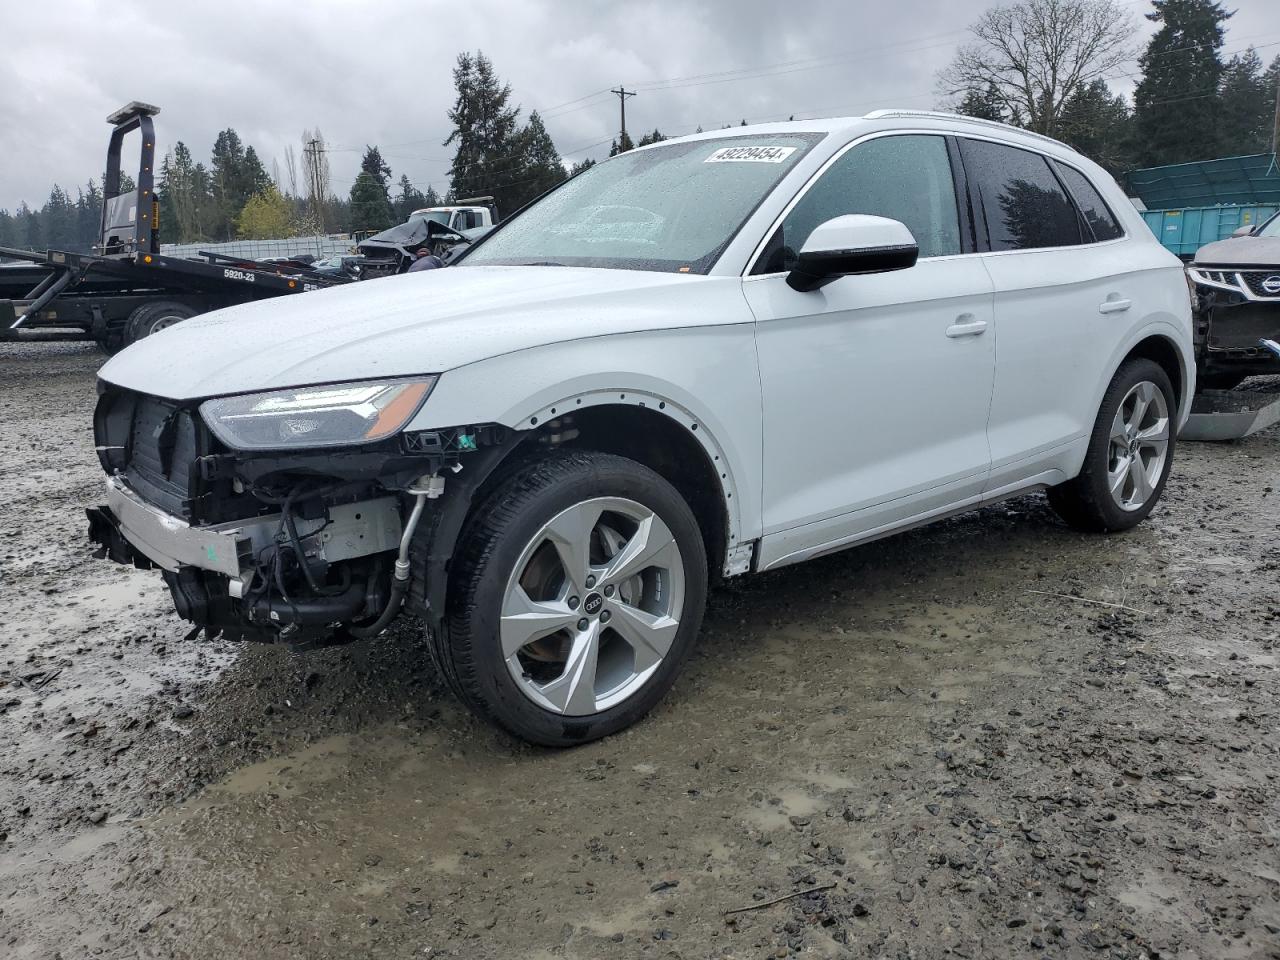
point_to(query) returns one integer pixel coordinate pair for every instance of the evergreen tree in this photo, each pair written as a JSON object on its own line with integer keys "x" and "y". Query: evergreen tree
{"x": 539, "y": 166}
{"x": 373, "y": 164}
{"x": 581, "y": 165}
{"x": 59, "y": 220}
{"x": 254, "y": 175}
{"x": 486, "y": 134}
{"x": 621, "y": 145}
{"x": 370, "y": 206}
{"x": 1248, "y": 106}
{"x": 185, "y": 199}
{"x": 229, "y": 194}
{"x": 88, "y": 217}
{"x": 28, "y": 228}
{"x": 409, "y": 199}
{"x": 8, "y": 230}
{"x": 1177, "y": 106}
{"x": 1096, "y": 123}
{"x": 984, "y": 104}
{"x": 236, "y": 175}
{"x": 431, "y": 198}
{"x": 648, "y": 138}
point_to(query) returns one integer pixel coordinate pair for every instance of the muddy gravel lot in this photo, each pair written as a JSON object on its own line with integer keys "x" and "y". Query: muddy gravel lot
{"x": 934, "y": 746}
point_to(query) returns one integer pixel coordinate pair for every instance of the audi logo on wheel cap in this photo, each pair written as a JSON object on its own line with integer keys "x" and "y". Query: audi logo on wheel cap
{"x": 1271, "y": 284}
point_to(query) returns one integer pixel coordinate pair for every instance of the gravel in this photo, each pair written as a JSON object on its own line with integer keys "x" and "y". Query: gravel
{"x": 960, "y": 764}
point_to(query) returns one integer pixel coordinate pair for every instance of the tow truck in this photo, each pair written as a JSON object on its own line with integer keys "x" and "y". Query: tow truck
{"x": 127, "y": 289}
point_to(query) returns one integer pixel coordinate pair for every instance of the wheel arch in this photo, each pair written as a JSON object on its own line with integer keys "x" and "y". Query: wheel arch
{"x": 657, "y": 432}
{"x": 1162, "y": 351}
{"x": 1160, "y": 342}
{"x": 669, "y": 440}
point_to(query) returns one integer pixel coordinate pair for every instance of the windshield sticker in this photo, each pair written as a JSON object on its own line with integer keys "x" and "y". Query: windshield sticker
{"x": 750, "y": 155}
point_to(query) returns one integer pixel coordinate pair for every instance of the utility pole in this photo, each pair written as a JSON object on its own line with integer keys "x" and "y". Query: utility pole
{"x": 1275, "y": 129}
{"x": 623, "y": 93}
{"x": 315, "y": 150}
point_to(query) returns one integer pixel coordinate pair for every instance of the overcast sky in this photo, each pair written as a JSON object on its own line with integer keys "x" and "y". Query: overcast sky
{"x": 368, "y": 72}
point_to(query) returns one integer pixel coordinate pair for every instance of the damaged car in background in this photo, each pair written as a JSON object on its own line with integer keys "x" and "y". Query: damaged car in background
{"x": 1237, "y": 284}
{"x": 708, "y": 357}
{"x": 393, "y": 250}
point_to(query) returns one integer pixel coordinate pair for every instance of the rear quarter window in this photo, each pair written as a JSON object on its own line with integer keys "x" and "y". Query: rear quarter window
{"x": 1097, "y": 215}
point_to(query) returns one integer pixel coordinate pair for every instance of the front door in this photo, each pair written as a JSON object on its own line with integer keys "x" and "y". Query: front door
{"x": 876, "y": 389}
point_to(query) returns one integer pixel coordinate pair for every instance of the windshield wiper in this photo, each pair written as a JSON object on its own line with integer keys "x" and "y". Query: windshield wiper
{"x": 540, "y": 263}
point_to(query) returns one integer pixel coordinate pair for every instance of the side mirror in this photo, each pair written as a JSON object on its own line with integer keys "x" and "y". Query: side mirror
{"x": 1243, "y": 231}
{"x": 854, "y": 243}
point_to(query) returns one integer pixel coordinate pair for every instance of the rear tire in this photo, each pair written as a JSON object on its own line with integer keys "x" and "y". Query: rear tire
{"x": 1129, "y": 456}
{"x": 153, "y": 317}
{"x": 559, "y": 655}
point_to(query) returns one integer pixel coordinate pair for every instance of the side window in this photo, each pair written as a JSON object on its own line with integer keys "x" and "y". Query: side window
{"x": 906, "y": 178}
{"x": 1023, "y": 202}
{"x": 1094, "y": 209}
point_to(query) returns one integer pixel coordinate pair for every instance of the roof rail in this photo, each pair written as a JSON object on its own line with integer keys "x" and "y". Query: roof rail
{"x": 944, "y": 115}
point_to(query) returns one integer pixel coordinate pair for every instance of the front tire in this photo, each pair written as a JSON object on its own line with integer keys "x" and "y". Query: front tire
{"x": 576, "y": 592}
{"x": 1129, "y": 456}
{"x": 153, "y": 317}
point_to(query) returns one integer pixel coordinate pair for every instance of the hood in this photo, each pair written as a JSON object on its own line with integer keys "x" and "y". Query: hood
{"x": 426, "y": 322}
{"x": 1259, "y": 252}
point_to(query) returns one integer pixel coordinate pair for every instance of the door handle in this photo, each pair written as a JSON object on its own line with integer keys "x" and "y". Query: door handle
{"x": 966, "y": 325}
{"x": 1114, "y": 304}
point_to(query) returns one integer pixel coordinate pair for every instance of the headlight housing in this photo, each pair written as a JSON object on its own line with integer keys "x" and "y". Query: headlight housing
{"x": 333, "y": 415}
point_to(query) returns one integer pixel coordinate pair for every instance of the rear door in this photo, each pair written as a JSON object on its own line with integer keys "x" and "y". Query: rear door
{"x": 1062, "y": 301}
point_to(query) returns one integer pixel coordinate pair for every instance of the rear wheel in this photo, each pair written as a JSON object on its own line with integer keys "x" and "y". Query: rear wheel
{"x": 576, "y": 593}
{"x": 153, "y": 317}
{"x": 1129, "y": 456}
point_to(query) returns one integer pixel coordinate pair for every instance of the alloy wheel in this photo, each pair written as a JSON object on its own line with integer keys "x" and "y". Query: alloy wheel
{"x": 592, "y": 606}
{"x": 1139, "y": 446}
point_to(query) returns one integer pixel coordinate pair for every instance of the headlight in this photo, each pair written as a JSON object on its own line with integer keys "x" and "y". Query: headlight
{"x": 328, "y": 416}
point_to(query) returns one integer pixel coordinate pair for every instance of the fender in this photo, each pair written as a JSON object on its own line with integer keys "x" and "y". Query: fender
{"x": 668, "y": 372}
{"x": 737, "y": 553}
{"x": 1168, "y": 329}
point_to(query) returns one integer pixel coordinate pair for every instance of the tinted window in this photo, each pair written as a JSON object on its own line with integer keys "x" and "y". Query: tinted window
{"x": 1092, "y": 206}
{"x": 1022, "y": 201}
{"x": 906, "y": 178}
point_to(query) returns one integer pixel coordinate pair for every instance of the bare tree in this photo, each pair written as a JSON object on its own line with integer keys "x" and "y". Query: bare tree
{"x": 291, "y": 169}
{"x": 1036, "y": 54}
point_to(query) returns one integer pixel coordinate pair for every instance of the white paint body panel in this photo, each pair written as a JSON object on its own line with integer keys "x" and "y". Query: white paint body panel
{"x": 903, "y": 428}
{"x": 834, "y": 416}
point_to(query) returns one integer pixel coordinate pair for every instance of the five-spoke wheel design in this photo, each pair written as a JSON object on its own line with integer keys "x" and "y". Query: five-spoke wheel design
{"x": 592, "y": 606}
{"x": 1139, "y": 446}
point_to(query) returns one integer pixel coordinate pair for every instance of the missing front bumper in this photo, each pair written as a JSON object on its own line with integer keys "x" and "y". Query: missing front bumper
{"x": 129, "y": 530}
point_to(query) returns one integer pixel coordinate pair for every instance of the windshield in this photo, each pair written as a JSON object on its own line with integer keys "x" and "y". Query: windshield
{"x": 439, "y": 216}
{"x": 1271, "y": 228}
{"x": 669, "y": 208}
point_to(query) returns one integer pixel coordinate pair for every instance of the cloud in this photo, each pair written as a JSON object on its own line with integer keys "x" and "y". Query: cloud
{"x": 380, "y": 73}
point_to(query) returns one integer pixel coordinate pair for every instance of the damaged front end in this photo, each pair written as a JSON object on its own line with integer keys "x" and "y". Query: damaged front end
{"x": 1237, "y": 320}
{"x": 260, "y": 542}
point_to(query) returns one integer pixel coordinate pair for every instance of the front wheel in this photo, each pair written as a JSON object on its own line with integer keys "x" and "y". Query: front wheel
{"x": 1129, "y": 456}
{"x": 153, "y": 317}
{"x": 576, "y": 592}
